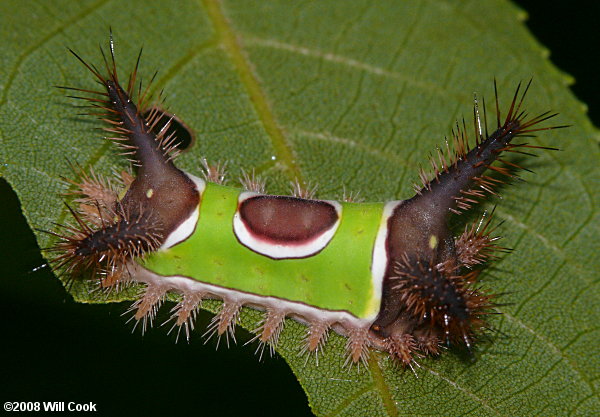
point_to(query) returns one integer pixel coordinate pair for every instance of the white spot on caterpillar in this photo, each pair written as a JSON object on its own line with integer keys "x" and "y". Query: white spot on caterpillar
{"x": 433, "y": 241}
{"x": 149, "y": 193}
{"x": 380, "y": 256}
{"x": 185, "y": 229}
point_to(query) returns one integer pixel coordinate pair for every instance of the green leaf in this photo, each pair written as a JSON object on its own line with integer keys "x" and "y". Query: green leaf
{"x": 347, "y": 95}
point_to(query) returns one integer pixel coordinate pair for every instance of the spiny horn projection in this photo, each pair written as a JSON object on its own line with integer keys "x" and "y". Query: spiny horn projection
{"x": 430, "y": 289}
{"x": 157, "y": 201}
{"x": 455, "y": 172}
{"x": 449, "y": 302}
{"x": 106, "y": 248}
{"x": 159, "y": 185}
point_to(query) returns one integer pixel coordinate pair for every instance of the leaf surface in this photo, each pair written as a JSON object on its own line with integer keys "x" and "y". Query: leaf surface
{"x": 347, "y": 96}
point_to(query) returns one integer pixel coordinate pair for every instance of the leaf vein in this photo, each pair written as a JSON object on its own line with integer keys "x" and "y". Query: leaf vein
{"x": 553, "y": 348}
{"x": 230, "y": 42}
{"x": 381, "y": 386}
{"x": 545, "y": 241}
{"x": 463, "y": 390}
{"x": 328, "y": 137}
{"x": 349, "y": 400}
{"x": 27, "y": 52}
{"x": 181, "y": 63}
{"x": 351, "y": 63}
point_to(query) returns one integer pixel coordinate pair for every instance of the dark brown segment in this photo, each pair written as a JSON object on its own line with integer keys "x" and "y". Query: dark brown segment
{"x": 410, "y": 228}
{"x": 282, "y": 219}
{"x": 160, "y": 189}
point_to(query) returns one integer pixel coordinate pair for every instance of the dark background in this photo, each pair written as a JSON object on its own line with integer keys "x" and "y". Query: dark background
{"x": 57, "y": 350}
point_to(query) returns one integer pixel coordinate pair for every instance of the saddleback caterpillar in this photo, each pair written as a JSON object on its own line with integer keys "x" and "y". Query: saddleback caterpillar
{"x": 389, "y": 276}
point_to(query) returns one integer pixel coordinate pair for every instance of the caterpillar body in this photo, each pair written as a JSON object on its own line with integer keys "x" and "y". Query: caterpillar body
{"x": 389, "y": 276}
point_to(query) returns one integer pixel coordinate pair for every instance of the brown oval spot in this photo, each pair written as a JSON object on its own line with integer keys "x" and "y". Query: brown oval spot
{"x": 282, "y": 219}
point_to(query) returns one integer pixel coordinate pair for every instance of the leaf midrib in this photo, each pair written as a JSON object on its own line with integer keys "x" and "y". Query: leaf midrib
{"x": 230, "y": 43}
